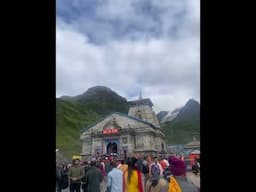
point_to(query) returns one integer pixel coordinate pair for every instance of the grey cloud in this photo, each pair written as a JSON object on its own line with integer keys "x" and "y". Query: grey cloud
{"x": 124, "y": 66}
{"x": 167, "y": 69}
{"x": 130, "y": 19}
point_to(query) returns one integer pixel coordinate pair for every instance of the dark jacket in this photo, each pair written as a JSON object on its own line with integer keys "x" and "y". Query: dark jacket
{"x": 59, "y": 173}
{"x": 86, "y": 168}
{"x": 93, "y": 179}
{"x": 108, "y": 167}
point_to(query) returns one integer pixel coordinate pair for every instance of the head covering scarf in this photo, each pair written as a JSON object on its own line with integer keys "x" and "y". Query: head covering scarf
{"x": 178, "y": 166}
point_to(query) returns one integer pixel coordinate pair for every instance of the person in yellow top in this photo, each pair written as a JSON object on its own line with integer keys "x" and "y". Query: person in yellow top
{"x": 133, "y": 180}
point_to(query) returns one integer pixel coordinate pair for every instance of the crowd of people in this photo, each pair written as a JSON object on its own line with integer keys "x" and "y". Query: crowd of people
{"x": 134, "y": 174}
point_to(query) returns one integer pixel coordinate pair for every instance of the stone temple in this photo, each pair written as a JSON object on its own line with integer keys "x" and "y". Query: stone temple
{"x": 122, "y": 135}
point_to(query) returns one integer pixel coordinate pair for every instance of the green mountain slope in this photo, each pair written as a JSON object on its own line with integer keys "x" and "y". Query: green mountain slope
{"x": 75, "y": 113}
{"x": 186, "y": 125}
{"x": 70, "y": 118}
{"x": 102, "y": 100}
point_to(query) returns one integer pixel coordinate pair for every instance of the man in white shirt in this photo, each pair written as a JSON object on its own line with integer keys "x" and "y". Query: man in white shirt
{"x": 115, "y": 179}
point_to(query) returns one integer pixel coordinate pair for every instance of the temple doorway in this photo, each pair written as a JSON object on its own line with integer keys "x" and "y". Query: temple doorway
{"x": 112, "y": 148}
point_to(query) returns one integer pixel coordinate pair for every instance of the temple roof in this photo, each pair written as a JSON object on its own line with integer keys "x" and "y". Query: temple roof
{"x": 195, "y": 152}
{"x": 121, "y": 114}
{"x": 193, "y": 143}
{"x": 141, "y": 102}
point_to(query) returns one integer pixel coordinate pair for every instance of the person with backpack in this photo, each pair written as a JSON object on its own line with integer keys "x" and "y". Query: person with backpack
{"x": 156, "y": 168}
{"x": 157, "y": 184}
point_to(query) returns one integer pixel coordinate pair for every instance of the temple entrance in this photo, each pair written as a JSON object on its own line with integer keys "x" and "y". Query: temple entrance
{"x": 125, "y": 154}
{"x": 112, "y": 148}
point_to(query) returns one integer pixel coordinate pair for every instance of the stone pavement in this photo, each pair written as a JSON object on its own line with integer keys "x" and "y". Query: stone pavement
{"x": 195, "y": 179}
{"x": 103, "y": 187}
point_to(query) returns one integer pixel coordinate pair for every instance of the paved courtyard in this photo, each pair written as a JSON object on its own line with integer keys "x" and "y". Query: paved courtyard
{"x": 195, "y": 179}
{"x": 103, "y": 187}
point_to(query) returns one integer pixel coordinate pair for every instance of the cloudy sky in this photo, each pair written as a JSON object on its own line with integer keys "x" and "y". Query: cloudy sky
{"x": 128, "y": 45}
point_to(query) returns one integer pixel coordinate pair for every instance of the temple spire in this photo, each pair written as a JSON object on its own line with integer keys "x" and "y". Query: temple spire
{"x": 140, "y": 95}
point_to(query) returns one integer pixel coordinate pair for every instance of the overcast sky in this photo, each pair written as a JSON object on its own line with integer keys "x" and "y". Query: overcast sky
{"x": 128, "y": 45}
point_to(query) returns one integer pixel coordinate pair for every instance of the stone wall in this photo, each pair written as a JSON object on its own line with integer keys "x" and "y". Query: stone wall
{"x": 127, "y": 143}
{"x": 158, "y": 144}
{"x": 145, "y": 113}
{"x": 135, "y": 136}
{"x": 87, "y": 146}
{"x": 96, "y": 145}
{"x": 144, "y": 141}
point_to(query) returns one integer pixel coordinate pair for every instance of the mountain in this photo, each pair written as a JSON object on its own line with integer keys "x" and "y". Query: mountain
{"x": 78, "y": 112}
{"x": 70, "y": 118}
{"x": 190, "y": 111}
{"x": 170, "y": 115}
{"x": 161, "y": 115}
{"x": 101, "y": 100}
{"x": 184, "y": 125}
